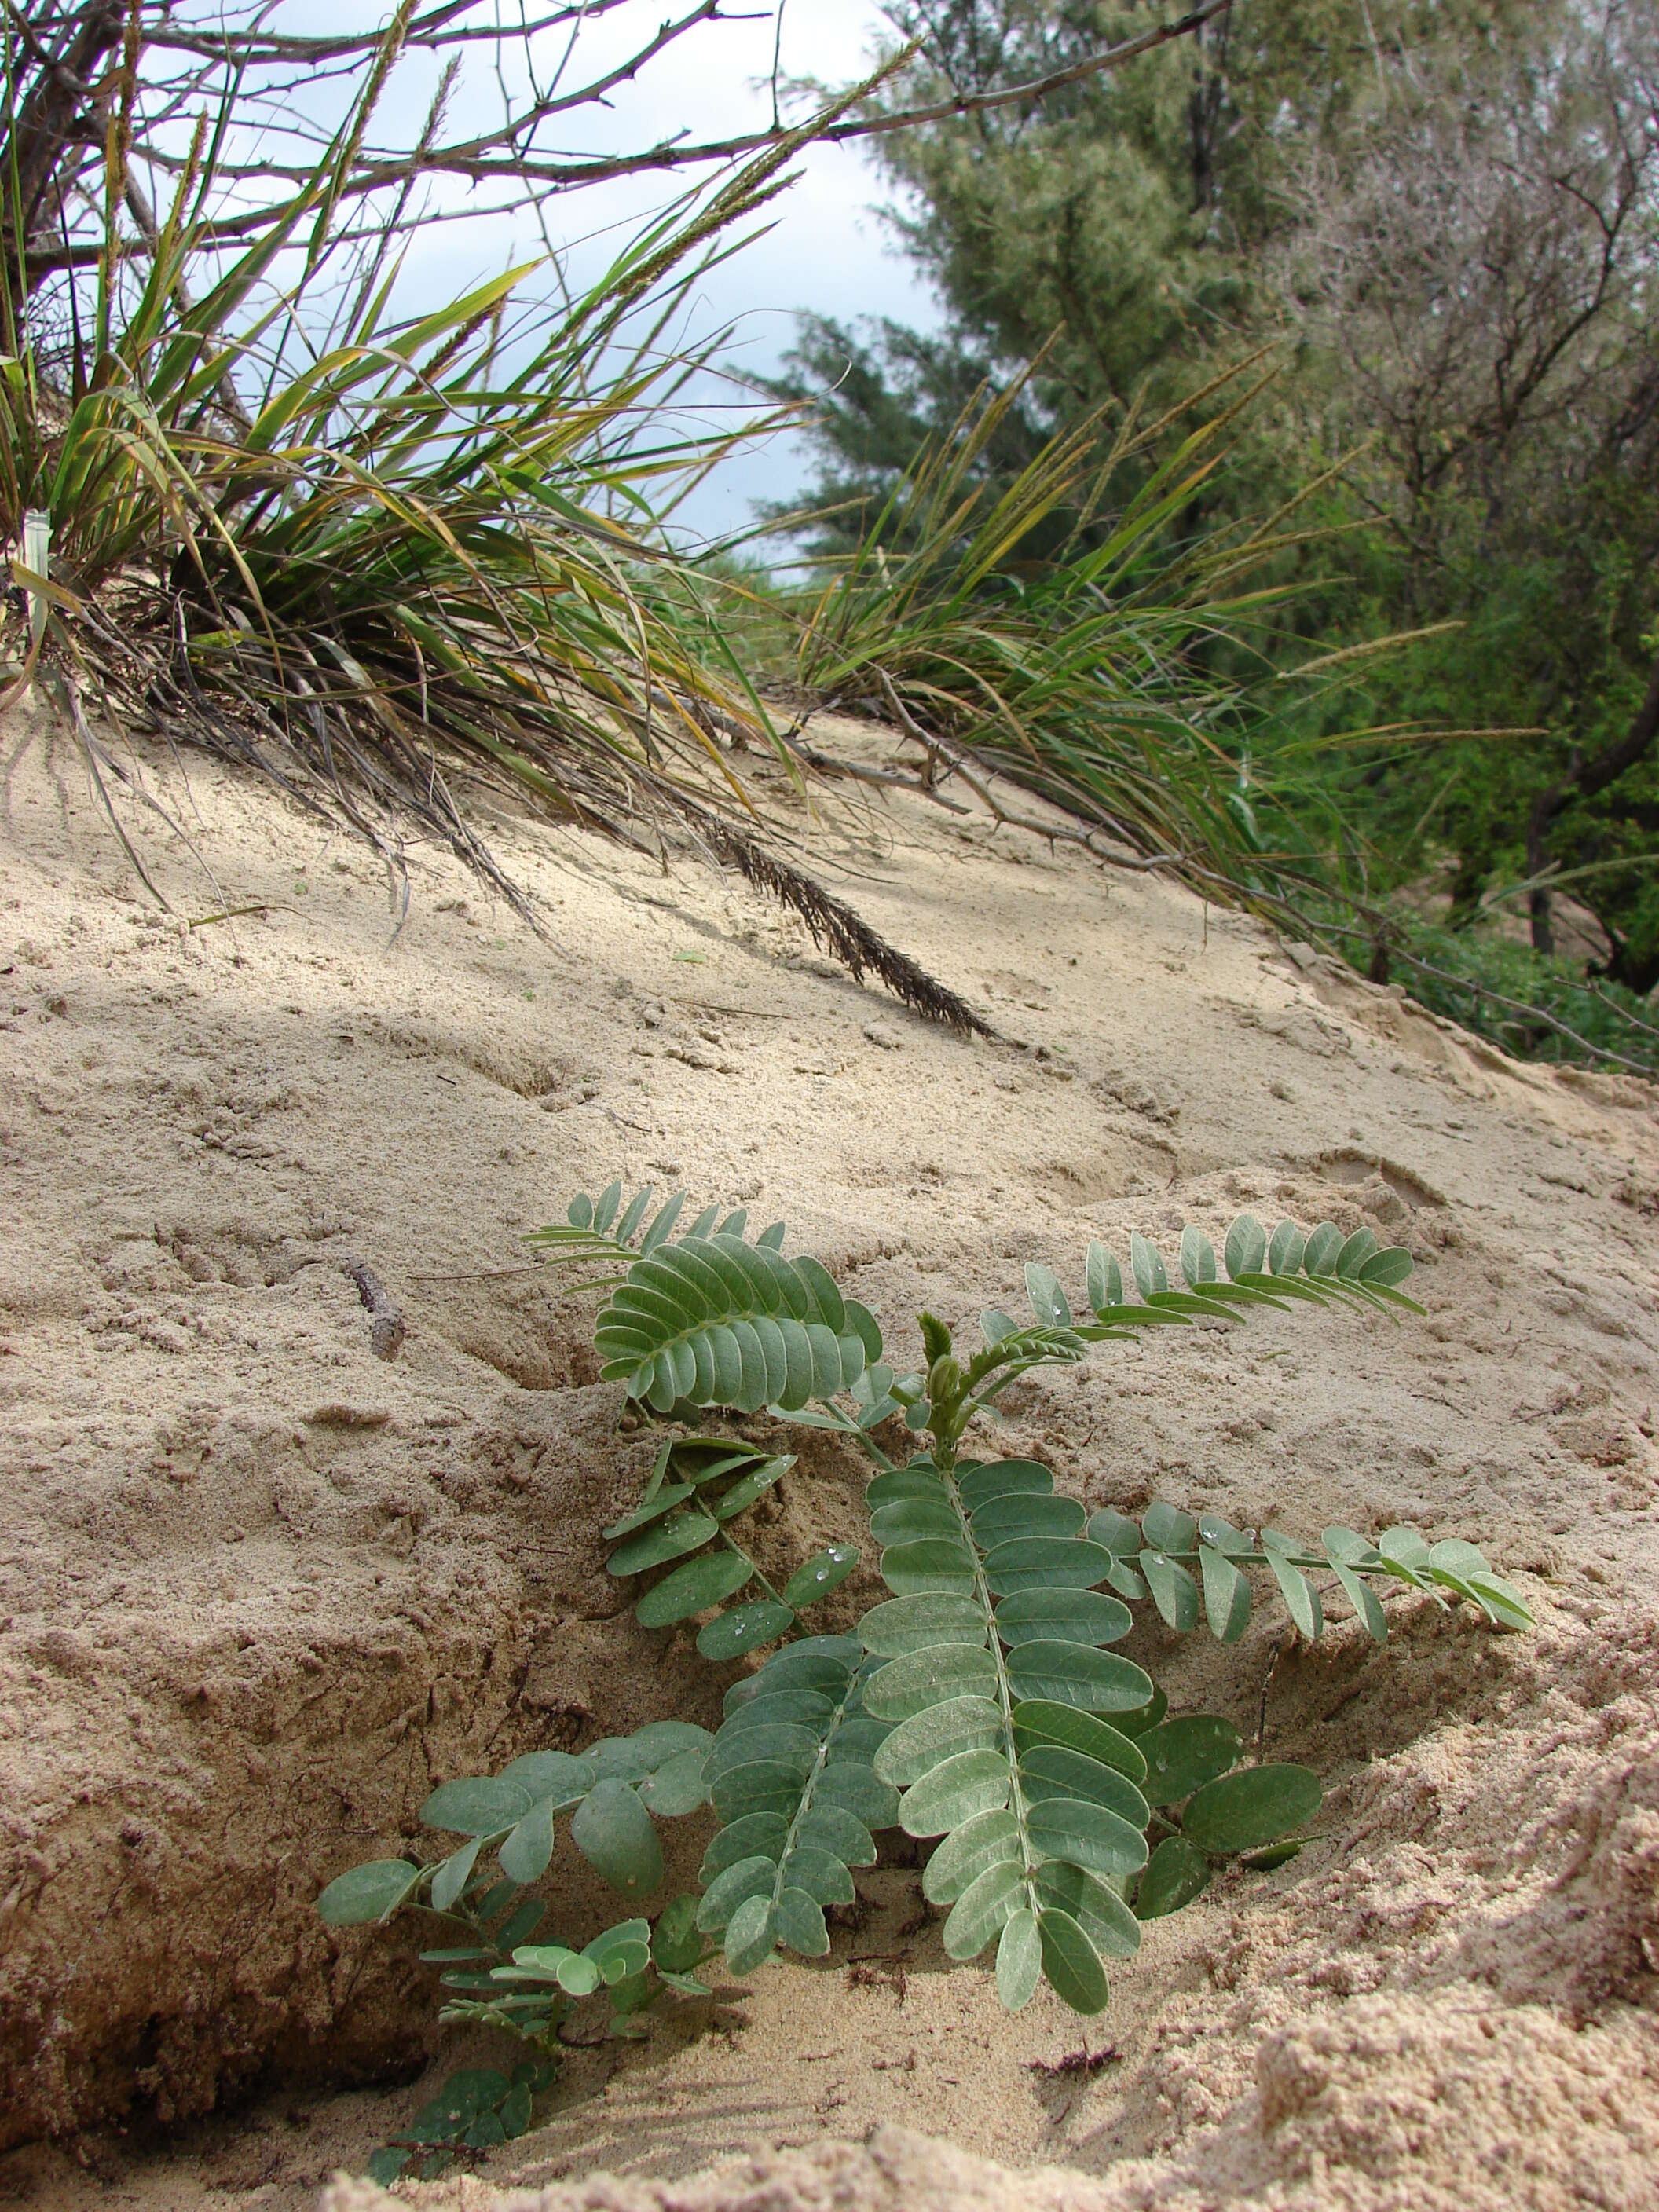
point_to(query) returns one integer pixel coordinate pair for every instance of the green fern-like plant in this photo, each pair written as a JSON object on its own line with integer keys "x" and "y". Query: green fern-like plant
{"x": 797, "y": 1784}
{"x": 1001, "y": 1688}
{"x": 698, "y": 1486}
{"x": 980, "y": 1706}
{"x": 712, "y": 1318}
{"x": 1066, "y": 1807}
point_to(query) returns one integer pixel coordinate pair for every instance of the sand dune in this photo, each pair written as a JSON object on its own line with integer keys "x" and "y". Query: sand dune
{"x": 262, "y": 1590}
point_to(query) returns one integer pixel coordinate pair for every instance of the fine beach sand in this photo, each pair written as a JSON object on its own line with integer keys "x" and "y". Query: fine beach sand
{"x": 262, "y": 1590}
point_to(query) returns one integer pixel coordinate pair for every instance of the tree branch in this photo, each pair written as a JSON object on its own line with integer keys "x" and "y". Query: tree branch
{"x": 490, "y": 156}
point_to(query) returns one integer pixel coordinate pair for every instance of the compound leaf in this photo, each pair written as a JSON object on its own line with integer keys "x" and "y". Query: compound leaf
{"x": 996, "y": 1739}
{"x": 715, "y": 1320}
{"x": 1256, "y": 1805}
{"x": 614, "y": 1833}
{"x": 787, "y": 1785}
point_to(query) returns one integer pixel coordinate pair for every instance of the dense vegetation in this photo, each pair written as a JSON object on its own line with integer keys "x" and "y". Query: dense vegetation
{"x": 1278, "y": 498}
{"x": 1435, "y": 230}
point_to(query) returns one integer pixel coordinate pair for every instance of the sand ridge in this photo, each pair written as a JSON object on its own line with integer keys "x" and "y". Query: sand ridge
{"x": 261, "y": 1590}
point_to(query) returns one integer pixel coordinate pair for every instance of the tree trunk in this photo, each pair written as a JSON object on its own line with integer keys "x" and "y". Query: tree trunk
{"x": 1584, "y": 779}
{"x": 1538, "y": 898}
{"x": 1203, "y": 117}
{"x": 62, "y": 113}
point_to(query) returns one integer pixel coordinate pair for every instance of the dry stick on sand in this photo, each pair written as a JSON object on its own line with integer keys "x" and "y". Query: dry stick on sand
{"x": 387, "y": 1334}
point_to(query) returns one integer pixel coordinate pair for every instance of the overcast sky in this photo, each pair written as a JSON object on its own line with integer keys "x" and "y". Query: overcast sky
{"x": 825, "y": 249}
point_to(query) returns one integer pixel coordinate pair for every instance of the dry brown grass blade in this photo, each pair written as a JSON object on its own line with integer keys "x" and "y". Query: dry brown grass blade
{"x": 833, "y": 923}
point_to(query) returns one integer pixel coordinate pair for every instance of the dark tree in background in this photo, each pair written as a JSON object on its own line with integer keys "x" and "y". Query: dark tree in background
{"x": 1477, "y": 274}
{"x": 1445, "y": 221}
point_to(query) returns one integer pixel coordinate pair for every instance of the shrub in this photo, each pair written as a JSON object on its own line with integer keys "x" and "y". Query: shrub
{"x": 978, "y": 1706}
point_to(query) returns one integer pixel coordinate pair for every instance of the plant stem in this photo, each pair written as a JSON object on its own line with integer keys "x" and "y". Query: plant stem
{"x": 732, "y": 1545}
{"x": 945, "y": 1459}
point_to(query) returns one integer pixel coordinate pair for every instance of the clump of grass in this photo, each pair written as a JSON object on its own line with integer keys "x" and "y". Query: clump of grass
{"x": 1081, "y": 652}
{"x": 428, "y": 557}
{"x": 1106, "y": 660}
{"x": 409, "y": 561}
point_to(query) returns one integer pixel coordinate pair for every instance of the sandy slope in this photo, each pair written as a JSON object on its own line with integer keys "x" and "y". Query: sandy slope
{"x": 261, "y": 1590}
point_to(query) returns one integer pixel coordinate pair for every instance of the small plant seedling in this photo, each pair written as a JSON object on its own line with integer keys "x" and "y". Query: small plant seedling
{"x": 493, "y": 1971}
{"x": 980, "y": 1706}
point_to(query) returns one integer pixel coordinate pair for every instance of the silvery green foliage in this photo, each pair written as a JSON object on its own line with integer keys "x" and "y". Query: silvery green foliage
{"x": 985, "y": 1703}
{"x": 711, "y": 1319}
{"x": 699, "y": 1486}
{"x": 611, "y": 1792}
{"x": 997, "y": 1679}
{"x": 1067, "y": 1807}
{"x": 496, "y": 1975}
{"x": 978, "y": 1706}
{"x": 795, "y": 1781}
{"x": 1157, "y": 1555}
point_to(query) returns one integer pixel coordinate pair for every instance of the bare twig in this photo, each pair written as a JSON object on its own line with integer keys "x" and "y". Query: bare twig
{"x": 1267, "y": 1683}
{"x": 498, "y": 153}
{"x": 387, "y": 1334}
{"x": 1056, "y": 833}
